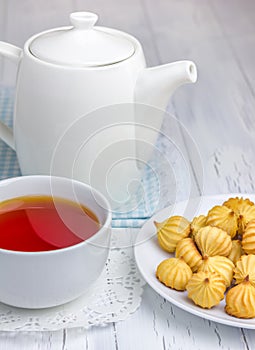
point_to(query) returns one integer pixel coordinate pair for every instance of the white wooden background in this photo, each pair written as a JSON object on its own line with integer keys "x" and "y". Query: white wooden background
{"x": 219, "y": 113}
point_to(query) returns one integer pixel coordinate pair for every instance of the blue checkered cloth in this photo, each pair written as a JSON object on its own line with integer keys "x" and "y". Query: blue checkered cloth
{"x": 157, "y": 188}
{"x": 9, "y": 166}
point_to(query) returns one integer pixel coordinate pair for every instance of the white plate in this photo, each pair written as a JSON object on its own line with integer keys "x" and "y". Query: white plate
{"x": 148, "y": 255}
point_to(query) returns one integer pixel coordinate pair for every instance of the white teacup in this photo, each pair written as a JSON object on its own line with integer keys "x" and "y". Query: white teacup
{"x": 50, "y": 278}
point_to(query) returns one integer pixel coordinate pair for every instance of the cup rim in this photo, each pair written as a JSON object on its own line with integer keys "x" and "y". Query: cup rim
{"x": 103, "y": 226}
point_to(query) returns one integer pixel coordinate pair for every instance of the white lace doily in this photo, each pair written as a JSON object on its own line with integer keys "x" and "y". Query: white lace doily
{"x": 115, "y": 295}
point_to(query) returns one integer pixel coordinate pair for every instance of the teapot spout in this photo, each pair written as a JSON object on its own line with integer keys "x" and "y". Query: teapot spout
{"x": 155, "y": 85}
{"x": 153, "y": 89}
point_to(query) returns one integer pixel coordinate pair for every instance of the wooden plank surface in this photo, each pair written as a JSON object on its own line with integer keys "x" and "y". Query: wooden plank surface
{"x": 3, "y": 12}
{"x": 218, "y": 112}
{"x": 22, "y": 19}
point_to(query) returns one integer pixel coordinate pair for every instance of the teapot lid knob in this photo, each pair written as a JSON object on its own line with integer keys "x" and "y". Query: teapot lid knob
{"x": 83, "y": 20}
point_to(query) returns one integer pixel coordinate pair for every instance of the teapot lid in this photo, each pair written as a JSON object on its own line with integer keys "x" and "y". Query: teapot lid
{"x": 82, "y": 45}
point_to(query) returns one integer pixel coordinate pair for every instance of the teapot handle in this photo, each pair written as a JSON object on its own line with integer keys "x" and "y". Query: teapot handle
{"x": 13, "y": 53}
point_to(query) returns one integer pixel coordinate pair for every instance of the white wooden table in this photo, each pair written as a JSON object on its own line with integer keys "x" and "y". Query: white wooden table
{"x": 219, "y": 113}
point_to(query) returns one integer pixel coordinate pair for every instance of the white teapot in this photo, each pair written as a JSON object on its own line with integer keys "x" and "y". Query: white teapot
{"x": 81, "y": 81}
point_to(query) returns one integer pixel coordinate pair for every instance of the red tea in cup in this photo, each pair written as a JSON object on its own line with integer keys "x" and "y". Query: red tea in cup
{"x": 43, "y": 223}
